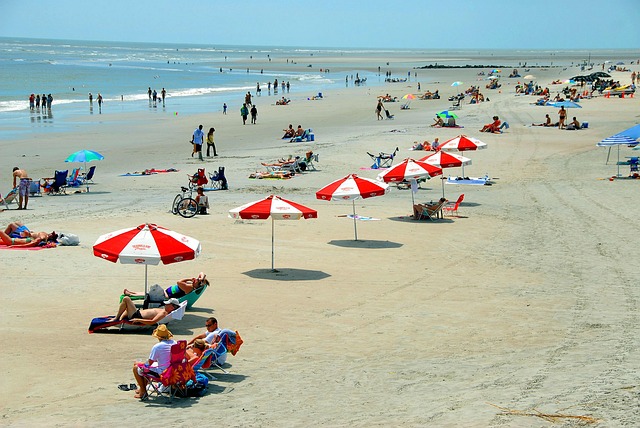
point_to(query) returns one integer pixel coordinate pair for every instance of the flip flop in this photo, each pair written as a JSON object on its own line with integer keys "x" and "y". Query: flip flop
{"x": 132, "y": 386}
{"x": 123, "y": 387}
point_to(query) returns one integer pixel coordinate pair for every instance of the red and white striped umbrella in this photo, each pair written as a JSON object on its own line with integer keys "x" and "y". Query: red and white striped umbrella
{"x": 275, "y": 207}
{"x": 462, "y": 143}
{"x": 147, "y": 244}
{"x": 351, "y": 188}
{"x": 409, "y": 169}
{"x": 446, "y": 160}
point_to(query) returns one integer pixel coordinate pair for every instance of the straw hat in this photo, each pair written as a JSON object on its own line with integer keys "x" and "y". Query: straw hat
{"x": 162, "y": 332}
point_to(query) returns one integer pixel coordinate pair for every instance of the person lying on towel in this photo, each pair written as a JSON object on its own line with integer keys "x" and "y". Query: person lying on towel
{"x": 18, "y": 235}
{"x": 128, "y": 311}
{"x": 180, "y": 289}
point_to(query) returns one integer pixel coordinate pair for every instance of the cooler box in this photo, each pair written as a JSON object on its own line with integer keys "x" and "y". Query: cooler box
{"x": 312, "y": 137}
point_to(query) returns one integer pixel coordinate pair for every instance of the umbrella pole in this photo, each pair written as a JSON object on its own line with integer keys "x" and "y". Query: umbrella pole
{"x": 355, "y": 227}
{"x": 608, "y": 154}
{"x": 85, "y": 174}
{"x": 273, "y": 269}
{"x": 442, "y": 180}
{"x": 145, "y": 280}
{"x": 619, "y": 160}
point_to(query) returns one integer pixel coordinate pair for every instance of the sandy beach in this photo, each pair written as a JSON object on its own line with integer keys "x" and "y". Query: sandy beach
{"x": 526, "y": 300}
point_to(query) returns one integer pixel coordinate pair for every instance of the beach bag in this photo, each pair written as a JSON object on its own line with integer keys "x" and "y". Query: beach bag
{"x": 68, "y": 239}
{"x": 199, "y": 387}
{"x": 156, "y": 293}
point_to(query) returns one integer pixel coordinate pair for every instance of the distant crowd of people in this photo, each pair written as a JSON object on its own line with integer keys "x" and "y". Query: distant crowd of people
{"x": 35, "y": 101}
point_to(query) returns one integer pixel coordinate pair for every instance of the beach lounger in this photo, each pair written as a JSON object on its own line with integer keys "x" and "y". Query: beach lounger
{"x": 155, "y": 297}
{"x": 101, "y": 324}
{"x": 88, "y": 177}
{"x": 310, "y": 160}
{"x": 73, "y": 179}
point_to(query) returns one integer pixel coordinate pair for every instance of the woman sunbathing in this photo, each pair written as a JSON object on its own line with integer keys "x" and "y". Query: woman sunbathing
{"x": 42, "y": 239}
{"x": 182, "y": 288}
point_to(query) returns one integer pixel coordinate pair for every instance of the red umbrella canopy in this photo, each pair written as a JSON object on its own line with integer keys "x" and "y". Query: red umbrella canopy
{"x": 446, "y": 160}
{"x": 352, "y": 187}
{"x": 275, "y": 207}
{"x": 147, "y": 244}
{"x": 409, "y": 169}
{"x": 462, "y": 143}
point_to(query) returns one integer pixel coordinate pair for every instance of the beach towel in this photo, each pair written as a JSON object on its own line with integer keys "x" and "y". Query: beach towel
{"x": 39, "y": 247}
{"x": 358, "y": 217}
{"x": 473, "y": 181}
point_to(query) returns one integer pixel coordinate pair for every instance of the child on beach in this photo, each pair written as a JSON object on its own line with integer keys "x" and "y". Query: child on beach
{"x": 202, "y": 200}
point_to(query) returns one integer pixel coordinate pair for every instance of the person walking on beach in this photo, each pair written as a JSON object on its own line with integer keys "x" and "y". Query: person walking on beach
{"x": 38, "y": 101}
{"x": 247, "y": 99}
{"x": 164, "y": 95}
{"x": 149, "y": 92}
{"x": 254, "y": 114}
{"x": 32, "y": 102}
{"x": 44, "y": 101}
{"x": 49, "y": 101}
{"x": 224, "y": 108}
{"x": 198, "y": 138}
{"x": 23, "y": 182}
{"x": 99, "y": 102}
{"x": 90, "y": 98}
{"x": 210, "y": 143}
{"x": 379, "y": 109}
{"x": 244, "y": 112}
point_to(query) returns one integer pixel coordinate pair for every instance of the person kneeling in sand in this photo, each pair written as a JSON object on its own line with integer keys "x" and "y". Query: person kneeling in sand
{"x": 159, "y": 360}
{"x": 437, "y": 122}
{"x": 128, "y": 311}
{"x": 181, "y": 288}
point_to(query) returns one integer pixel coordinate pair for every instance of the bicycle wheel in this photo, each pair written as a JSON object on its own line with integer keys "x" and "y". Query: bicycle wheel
{"x": 174, "y": 206}
{"x": 187, "y": 207}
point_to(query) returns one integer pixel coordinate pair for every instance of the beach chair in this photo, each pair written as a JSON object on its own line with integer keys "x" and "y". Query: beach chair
{"x": 155, "y": 297}
{"x": 9, "y": 197}
{"x": 101, "y": 324}
{"x": 88, "y": 177}
{"x": 451, "y": 208}
{"x": 427, "y": 211}
{"x": 213, "y": 357}
{"x": 198, "y": 179}
{"x": 382, "y": 160}
{"x": 171, "y": 382}
{"x": 73, "y": 179}
{"x": 218, "y": 180}
{"x": 310, "y": 160}
{"x": 456, "y": 105}
{"x": 389, "y": 115}
{"x": 59, "y": 184}
{"x": 34, "y": 188}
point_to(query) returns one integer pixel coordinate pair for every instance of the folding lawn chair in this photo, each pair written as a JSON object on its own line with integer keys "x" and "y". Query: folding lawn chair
{"x": 218, "y": 180}
{"x": 173, "y": 380}
{"x": 382, "y": 160}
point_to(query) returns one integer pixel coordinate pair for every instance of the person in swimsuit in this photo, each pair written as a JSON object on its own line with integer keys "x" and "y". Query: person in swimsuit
{"x": 128, "y": 311}
{"x": 29, "y": 240}
{"x": 23, "y": 186}
{"x": 180, "y": 289}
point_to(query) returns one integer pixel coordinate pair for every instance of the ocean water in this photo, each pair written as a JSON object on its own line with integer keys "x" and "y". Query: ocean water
{"x": 201, "y": 78}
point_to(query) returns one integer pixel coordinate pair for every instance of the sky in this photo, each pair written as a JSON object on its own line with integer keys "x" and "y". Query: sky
{"x": 421, "y": 24}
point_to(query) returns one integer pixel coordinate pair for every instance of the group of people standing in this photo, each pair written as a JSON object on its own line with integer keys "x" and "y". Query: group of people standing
{"x": 198, "y": 139}
{"x": 153, "y": 96}
{"x": 36, "y": 100}
{"x": 244, "y": 110}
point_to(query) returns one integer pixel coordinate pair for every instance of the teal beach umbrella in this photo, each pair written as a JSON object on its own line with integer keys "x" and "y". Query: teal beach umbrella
{"x": 84, "y": 156}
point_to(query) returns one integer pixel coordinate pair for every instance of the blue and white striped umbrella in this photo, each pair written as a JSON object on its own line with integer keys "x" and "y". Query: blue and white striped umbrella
{"x": 627, "y": 138}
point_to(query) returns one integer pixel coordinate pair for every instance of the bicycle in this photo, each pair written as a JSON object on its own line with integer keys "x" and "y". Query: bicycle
{"x": 184, "y": 204}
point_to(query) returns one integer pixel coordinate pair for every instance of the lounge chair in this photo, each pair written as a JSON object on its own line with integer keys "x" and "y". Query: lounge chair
{"x": 103, "y": 323}
{"x": 199, "y": 178}
{"x": 310, "y": 160}
{"x": 34, "y": 189}
{"x": 229, "y": 343}
{"x": 451, "y": 208}
{"x": 59, "y": 184}
{"x": 155, "y": 297}
{"x": 218, "y": 181}
{"x": 429, "y": 211}
{"x": 73, "y": 179}
{"x": 211, "y": 358}
{"x": 382, "y": 160}
{"x": 9, "y": 197}
{"x": 171, "y": 382}
{"x": 88, "y": 177}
